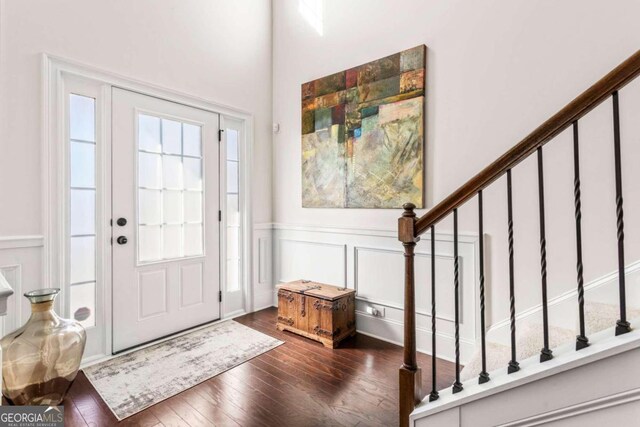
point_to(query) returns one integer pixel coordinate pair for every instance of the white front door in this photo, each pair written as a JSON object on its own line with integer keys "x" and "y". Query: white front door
{"x": 165, "y": 230}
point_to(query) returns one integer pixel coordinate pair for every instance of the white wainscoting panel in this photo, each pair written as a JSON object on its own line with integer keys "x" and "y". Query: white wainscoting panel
{"x": 13, "y": 275}
{"x": 262, "y": 267}
{"x": 372, "y": 263}
{"x": 376, "y": 270}
{"x": 21, "y": 265}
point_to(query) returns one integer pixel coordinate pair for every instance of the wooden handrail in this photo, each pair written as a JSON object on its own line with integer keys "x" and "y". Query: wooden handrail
{"x": 410, "y": 227}
{"x": 585, "y": 102}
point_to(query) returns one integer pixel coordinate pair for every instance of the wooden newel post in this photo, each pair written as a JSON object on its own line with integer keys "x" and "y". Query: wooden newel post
{"x": 410, "y": 373}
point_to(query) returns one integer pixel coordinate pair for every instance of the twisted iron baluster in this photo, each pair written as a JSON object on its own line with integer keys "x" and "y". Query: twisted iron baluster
{"x": 514, "y": 366}
{"x": 622, "y": 326}
{"x": 545, "y": 353}
{"x": 581, "y": 340}
{"x": 484, "y": 375}
{"x": 434, "y": 393}
{"x": 457, "y": 385}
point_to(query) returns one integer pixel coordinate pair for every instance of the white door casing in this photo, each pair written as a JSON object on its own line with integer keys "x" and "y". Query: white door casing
{"x": 166, "y": 277}
{"x": 59, "y": 78}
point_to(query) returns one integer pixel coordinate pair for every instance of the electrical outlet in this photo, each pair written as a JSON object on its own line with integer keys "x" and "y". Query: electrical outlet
{"x": 375, "y": 310}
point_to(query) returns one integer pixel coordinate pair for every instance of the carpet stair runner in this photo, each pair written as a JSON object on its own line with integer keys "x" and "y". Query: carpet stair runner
{"x": 598, "y": 316}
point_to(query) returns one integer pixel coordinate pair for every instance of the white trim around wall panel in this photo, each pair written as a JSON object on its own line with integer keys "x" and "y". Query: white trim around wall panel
{"x": 13, "y": 275}
{"x": 397, "y": 304}
{"x": 264, "y": 260}
{"x": 262, "y": 271}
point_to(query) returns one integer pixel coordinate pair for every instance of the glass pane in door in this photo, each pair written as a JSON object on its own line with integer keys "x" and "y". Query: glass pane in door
{"x": 170, "y": 193}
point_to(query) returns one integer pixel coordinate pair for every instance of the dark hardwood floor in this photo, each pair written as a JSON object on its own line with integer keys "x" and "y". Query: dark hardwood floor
{"x": 300, "y": 383}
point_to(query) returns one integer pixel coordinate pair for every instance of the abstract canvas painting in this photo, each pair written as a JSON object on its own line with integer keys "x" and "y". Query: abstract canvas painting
{"x": 363, "y": 135}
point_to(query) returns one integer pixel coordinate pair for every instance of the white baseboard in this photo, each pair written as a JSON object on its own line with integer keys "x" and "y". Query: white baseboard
{"x": 264, "y": 299}
{"x": 392, "y": 332}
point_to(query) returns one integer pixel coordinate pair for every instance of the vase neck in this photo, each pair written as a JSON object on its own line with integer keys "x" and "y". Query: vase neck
{"x": 43, "y": 311}
{"x": 41, "y": 307}
{"x": 42, "y": 303}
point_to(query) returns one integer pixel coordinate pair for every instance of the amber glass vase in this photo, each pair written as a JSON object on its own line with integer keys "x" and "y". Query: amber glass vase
{"x": 41, "y": 359}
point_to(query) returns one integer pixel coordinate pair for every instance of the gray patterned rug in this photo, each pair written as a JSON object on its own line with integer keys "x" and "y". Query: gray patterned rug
{"x": 135, "y": 381}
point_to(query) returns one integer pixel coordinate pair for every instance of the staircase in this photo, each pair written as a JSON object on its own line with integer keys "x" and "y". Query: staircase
{"x": 529, "y": 381}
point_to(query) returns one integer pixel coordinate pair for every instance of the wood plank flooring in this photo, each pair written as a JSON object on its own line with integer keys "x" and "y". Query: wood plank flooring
{"x": 300, "y": 383}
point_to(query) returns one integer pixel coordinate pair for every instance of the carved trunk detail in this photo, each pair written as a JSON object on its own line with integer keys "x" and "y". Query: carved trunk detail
{"x": 287, "y": 320}
{"x": 320, "y": 312}
{"x": 286, "y": 295}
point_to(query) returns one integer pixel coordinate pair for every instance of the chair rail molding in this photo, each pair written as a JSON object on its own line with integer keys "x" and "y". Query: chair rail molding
{"x": 26, "y": 241}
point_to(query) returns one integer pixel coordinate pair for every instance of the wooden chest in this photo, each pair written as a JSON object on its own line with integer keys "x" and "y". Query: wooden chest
{"x": 321, "y": 312}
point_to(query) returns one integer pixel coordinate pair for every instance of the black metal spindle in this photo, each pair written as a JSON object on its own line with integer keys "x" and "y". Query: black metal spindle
{"x": 457, "y": 385}
{"x": 514, "y": 366}
{"x": 434, "y": 392}
{"x": 484, "y": 375}
{"x": 622, "y": 326}
{"x": 581, "y": 340}
{"x": 545, "y": 353}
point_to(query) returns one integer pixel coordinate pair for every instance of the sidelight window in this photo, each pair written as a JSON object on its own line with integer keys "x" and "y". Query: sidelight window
{"x": 82, "y": 209}
{"x": 234, "y": 242}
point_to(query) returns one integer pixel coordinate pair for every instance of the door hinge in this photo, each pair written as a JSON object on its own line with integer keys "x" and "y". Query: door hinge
{"x": 220, "y": 296}
{"x": 219, "y": 216}
{"x": 220, "y": 134}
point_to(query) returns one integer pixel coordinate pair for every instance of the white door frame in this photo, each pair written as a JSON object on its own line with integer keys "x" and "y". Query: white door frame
{"x": 54, "y": 162}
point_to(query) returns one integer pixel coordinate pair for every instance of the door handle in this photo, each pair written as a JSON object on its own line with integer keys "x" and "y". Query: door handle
{"x": 121, "y": 222}
{"x": 121, "y": 240}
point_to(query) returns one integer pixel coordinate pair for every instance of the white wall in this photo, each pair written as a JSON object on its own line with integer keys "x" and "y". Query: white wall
{"x": 495, "y": 71}
{"x": 216, "y": 50}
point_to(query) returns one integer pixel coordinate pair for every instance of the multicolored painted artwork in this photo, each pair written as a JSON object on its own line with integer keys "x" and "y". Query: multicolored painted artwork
{"x": 363, "y": 135}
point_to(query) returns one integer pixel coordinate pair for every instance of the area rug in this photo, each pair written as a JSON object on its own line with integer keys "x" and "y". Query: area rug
{"x": 135, "y": 381}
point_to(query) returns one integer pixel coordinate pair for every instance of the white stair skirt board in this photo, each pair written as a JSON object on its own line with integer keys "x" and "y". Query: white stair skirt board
{"x": 135, "y": 381}
{"x": 603, "y": 344}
